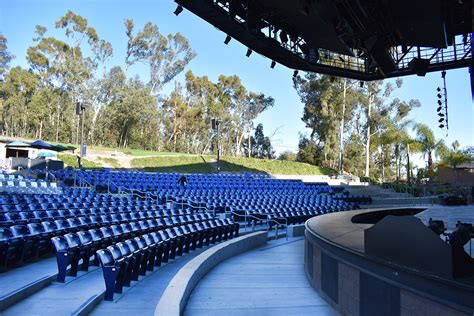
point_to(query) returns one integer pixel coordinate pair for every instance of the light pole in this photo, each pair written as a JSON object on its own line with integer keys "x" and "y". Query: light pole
{"x": 80, "y": 109}
{"x": 215, "y": 126}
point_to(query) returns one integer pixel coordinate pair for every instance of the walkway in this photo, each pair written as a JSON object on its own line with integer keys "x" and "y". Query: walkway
{"x": 267, "y": 281}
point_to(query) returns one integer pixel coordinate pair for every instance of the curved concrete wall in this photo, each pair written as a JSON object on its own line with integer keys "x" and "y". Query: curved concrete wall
{"x": 175, "y": 297}
{"x": 354, "y": 285}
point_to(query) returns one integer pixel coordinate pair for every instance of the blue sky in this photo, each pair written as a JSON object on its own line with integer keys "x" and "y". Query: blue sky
{"x": 19, "y": 17}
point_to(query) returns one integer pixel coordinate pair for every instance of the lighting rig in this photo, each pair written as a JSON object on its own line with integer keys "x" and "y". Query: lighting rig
{"x": 442, "y": 108}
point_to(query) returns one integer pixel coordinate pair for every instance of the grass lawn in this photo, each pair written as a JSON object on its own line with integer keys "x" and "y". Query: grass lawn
{"x": 241, "y": 164}
{"x": 200, "y": 164}
{"x": 185, "y": 164}
{"x": 111, "y": 162}
{"x": 71, "y": 161}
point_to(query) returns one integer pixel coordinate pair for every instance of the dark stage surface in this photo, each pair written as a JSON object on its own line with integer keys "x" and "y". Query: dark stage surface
{"x": 343, "y": 236}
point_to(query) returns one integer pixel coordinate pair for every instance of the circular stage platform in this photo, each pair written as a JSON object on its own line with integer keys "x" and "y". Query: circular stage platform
{"x": 363, "y": 265}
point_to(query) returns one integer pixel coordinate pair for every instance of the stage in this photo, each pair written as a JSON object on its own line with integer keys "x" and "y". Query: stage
{"x": 345, "y": 271}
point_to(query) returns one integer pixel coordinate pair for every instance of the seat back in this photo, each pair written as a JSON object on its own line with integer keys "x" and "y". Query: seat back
{"x": 117, "y": 230}
{"x": 35, "y": 228}
{"x": 20, "y": 231}
{"x": 149, "y": 240}
{"x": 107, "y": 231}
{"x": 73, "y": 240}
{"x": 85, "y": 237}
{"x": 141, "y": 242}
{"x": 49, "y": 226}
{"x": 132, "y": 244}
{"x": 97, "y": 234}
{"x": 105, "y": 257}
{"x": 115, "y": 251}
{"x": 124, "y": 249}
{"x": 60, "y": 243}
{"x": 5, "y": 234}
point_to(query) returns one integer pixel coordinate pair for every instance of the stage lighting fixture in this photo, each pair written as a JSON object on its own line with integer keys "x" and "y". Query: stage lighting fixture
{"x": 441, "y": 114}
{"x": 437, "y": 226}
{"x": 341, "y": 59}
{"x": 361, "y": 84}
{"x": 439, "y": 95}
{"x": 178, "y": 10}
{"x": 460, "y": 237}
{"x": 295, "y": 73}
{"x": 439, "y": 108}
{"x": 441, "y": 126}
{"x": 438, "y": 89}
{"x": 227, "y": 39}
{"x": 273, "y": 64}
{"x": 249, "y": 52}
{"x": 441, "y": 120}
{"x": 440, "y": 103}
{"x": 283, "y": 37}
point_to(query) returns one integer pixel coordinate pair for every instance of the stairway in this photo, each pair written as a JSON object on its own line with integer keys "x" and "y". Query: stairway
{"x": 388, "y": 197}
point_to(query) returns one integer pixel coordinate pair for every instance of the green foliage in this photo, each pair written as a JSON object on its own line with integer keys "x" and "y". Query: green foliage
{"x": 454, "y": 157}
{"x": 429, "y": 145}
{"x": 121, "y": 112}
{"x": 5, "y": 56}
{"x": 287, "y": 155}
{"x": 373, "y": 126}
{"x": 71, "y": 161}
{"x": 260, "y": 145}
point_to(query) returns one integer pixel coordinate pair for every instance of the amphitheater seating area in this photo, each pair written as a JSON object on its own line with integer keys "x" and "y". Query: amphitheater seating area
{"x": 144, "y": 219}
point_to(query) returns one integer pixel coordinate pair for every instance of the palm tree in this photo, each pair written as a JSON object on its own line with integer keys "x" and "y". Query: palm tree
{"x": 430, "y": 146}
{"x": 410, "y": 146}
{"x": 454, "y": 158}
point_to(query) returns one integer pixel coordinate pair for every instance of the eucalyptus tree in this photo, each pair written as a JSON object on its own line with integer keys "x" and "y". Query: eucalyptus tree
{"x": 5, "y": 56}
{"x": 166, "y": 56}
{"x": 18, "y": 89}
{"x": 324, "y": 108}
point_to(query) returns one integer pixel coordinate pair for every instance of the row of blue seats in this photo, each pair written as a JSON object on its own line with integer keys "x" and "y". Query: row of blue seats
{"x": 22, "y": 218}
{"x": 126, "y": 254}
{"x": 22, "y": 243}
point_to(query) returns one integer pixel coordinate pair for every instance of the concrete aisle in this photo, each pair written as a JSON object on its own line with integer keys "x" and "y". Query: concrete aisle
{"x": 267, "y": 281}
{"x": 142, "y": 298}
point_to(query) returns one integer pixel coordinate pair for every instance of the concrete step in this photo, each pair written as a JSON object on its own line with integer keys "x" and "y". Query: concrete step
{"x": 377, "y": 202}
{"x": 61, "y": 298}
{"x": 18, "y": 283}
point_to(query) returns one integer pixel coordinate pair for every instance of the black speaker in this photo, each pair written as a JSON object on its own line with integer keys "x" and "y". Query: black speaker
{"x": 419, "y": 66}
{"x": 78, "y": 108}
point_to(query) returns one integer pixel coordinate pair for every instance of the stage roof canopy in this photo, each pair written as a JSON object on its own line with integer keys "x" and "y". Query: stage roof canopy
{"x": 359, "y": 39}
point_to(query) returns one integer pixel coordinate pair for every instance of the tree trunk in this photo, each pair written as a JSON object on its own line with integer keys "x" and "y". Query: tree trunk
{"x": 367, "y": 144}
{"x": 342, "y": 126}
{"x": 41, "y": 130}
{"x": 57, "y": 123}
{"x": 382, "y": 156}
{"x": 408, "y": 165}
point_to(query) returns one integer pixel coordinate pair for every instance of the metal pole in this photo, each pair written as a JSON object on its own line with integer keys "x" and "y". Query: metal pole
{"x": 443, "y": 74}
{"x": 342, "y": 127}
{"x": 82, "y": 136}
{"x": 218, "y": 149}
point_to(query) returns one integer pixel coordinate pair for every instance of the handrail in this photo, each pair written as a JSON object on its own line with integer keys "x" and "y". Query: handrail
{"x": 237, "y": 214}
{"x": 274, "y": 219}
